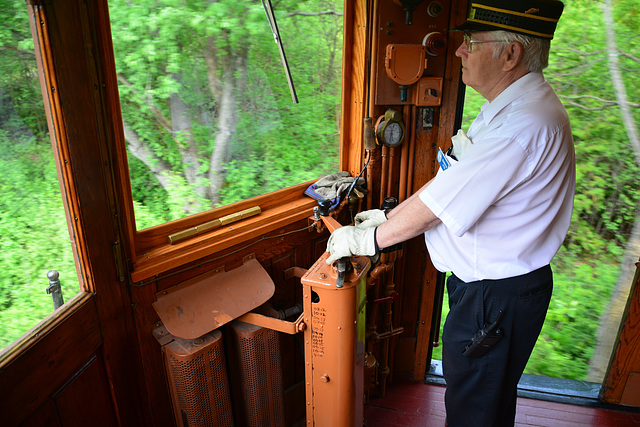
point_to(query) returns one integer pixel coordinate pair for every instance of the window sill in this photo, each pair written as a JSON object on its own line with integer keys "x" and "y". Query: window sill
{"x": 278, "y": 209}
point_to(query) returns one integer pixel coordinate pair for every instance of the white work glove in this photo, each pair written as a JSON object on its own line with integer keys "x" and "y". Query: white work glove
{"x": 334, "y": 185}
{"x": 370, "y": 218}
{"x": 349, "y": 240}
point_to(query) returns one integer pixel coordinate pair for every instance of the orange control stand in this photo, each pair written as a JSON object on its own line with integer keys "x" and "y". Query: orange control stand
{"x": 334, "y": 325}
{"x": 334, "y": 343}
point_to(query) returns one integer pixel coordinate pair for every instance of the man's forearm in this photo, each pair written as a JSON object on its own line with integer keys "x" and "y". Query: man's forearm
{"x": 415, "y": 195}
{"x": 412, "y": 220}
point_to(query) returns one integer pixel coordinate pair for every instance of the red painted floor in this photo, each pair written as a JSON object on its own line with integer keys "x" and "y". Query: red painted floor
{"x": 412, "y": 404}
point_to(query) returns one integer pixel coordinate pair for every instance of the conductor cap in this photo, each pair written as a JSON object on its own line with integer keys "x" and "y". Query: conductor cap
{"x": 537, "y": 18}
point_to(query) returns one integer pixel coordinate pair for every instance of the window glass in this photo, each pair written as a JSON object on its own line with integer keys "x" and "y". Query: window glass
{"x": 33, "y": 228}
{"x": 208, "y": 115}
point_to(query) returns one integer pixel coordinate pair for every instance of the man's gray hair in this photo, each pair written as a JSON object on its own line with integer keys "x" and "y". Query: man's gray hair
{"x": 535, "y": 50}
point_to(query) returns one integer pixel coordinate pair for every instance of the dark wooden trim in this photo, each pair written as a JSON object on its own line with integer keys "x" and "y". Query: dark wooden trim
{"x": 57, "y": 131}
{"x": 445, "y": 130}
{"x": 50, "y": 358}
{"x": 73, "y": 61}
{"x": 619, "y": 386}
{"x": 353, "y": 85}
{"x": 166, "y": 257}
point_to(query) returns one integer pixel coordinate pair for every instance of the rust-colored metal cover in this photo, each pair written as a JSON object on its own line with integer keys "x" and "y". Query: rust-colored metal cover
{"x": 257, "y": 351}
{"x": 204, "y": 303}
{"x": 405, "y": 63}
{"x": 197, "y": 376}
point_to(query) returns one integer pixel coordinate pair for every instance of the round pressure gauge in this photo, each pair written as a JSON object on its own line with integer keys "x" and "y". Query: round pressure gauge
{"x": 390, "y": 130}
{"x": 393, "y": 134}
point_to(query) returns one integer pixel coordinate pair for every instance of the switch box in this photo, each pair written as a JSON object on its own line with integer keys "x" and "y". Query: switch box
{"x": 428, "y": 92}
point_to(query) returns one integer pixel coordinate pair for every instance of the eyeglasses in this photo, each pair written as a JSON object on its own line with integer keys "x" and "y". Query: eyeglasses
{"x": 469, "y": 43}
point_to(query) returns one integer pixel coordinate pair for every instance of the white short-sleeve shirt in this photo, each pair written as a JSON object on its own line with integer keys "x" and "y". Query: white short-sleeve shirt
{"x": 506, "y": 206}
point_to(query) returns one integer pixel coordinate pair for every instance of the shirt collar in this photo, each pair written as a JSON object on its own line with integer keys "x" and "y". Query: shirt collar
{"x": 516, "y": 89}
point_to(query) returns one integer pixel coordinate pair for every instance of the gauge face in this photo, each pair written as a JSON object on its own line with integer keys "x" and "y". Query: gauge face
{"x": 393, "y": 134}
{"x": 390, "y": 129}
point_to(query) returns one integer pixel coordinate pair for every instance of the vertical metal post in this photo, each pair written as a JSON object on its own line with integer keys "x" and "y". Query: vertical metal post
{"x": 55, "y": 288}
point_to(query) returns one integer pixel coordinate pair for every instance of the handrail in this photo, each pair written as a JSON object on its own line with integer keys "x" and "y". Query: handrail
{"x": 55, "y": 289}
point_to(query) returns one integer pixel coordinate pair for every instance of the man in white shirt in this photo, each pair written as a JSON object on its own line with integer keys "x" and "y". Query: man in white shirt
{"x": 496, "y": 214}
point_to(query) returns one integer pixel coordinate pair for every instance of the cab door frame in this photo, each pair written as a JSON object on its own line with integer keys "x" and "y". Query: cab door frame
{"x": 81, "y": 364}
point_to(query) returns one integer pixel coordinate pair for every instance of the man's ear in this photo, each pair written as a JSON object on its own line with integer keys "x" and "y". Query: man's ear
{"x": 512, "y": 56}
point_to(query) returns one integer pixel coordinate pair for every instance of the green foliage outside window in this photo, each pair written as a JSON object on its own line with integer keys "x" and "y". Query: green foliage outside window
{"x": 33, "y": 230}
{"x": 208, "y": 115}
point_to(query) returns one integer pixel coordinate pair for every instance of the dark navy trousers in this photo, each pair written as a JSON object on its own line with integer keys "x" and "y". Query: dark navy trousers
{"x": 482, "y": 392}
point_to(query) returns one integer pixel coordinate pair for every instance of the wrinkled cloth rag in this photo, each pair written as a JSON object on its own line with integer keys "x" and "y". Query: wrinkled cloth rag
{"x": 333, "y": 186}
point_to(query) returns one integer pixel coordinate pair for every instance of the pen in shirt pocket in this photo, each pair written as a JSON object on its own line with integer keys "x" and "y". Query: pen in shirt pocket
{"x": 450, "y": 153}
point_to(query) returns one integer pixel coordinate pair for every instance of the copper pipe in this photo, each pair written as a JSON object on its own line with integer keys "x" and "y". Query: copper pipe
{"x": 373, "y": 279}
{"x": 398, "y": 306}
{"x": 388, "y": 323}
{"x": 373, "y": 24}
{"x": 412, "y": 149}
{"x": 385, "y": 172}
{"x": 404, "y": 165}
{"x": 404, "y": 158}
{"x": 380, "y": 268}
{"x": 394, "y": 166}
{"x": 372, "y": 311}
{"x": 373, "y": 177}
{"x": 373, "y": 48}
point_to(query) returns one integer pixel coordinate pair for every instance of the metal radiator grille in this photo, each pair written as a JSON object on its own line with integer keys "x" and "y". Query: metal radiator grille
{"x": 260, "y": 373}
{"x": 198, "y": 381}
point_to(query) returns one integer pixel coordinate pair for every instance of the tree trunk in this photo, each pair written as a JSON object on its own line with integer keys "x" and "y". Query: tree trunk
{"x": 618, "y": 83}
{"x": 158, "y": 167}
{"x": 224, "y": 91}
{"x": 183, "y": 137}
{"x": 226, "y": 130}
{"x": 610, "y": 321}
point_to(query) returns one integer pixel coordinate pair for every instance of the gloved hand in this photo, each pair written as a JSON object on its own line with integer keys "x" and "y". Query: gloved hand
{"x": 349, "y": 240}
{"x": 370, "y": 218}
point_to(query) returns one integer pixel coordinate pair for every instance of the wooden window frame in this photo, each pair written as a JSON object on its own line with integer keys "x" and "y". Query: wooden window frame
{"x": 155, "y": 255}
{"x": 148, "y": 252}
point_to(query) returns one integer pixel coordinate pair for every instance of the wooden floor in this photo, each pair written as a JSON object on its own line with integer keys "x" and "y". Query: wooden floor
{"x": 412, "y": 404}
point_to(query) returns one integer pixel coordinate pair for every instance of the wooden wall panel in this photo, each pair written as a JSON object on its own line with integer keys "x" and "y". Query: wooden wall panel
{"x": 155, "y": 380}
{"x": 82, "y": 71}
{"x": 45, "y": 415}
{"x": 42, "y": 369}
{"x": 292, "y": 246}
{"x": 353, "y": 85}
{"x": 286, "y": 295}
{"x": 622, "y": 379}
{"x": 631, "y": 394}
{"x": 415, "y": 275}
{"x": 426, "y": 167}
{"x": 85, "y": 400}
